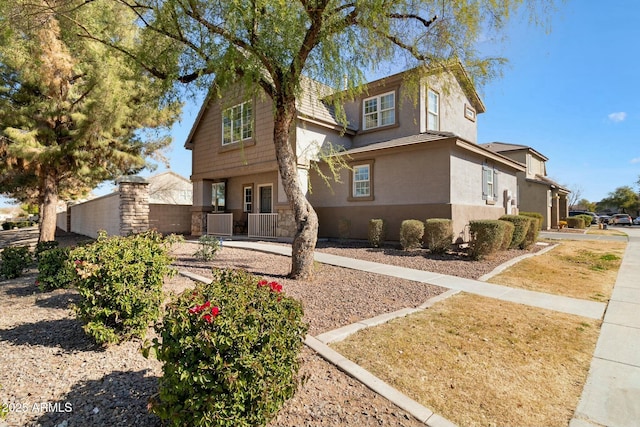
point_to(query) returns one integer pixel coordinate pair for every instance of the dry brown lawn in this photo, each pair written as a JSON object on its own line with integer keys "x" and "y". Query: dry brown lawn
{"x": 581, "y": 269}
{"x": 483, "y": 362}
{"x": 607, "y": 232}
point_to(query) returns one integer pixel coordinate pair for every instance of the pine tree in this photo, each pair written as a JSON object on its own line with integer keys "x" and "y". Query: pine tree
{"x": 72, "y": 111}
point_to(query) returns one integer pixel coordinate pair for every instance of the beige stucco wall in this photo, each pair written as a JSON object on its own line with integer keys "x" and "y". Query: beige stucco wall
{"x": 534, "y": 197}
{"x": 61, "y": 220}
{"x": 435, "y": 180}
{"x": 411, "y": 109}
{"x": 409, "y": 176}
{"x": 102, "y": 213}
{"x": 169, "y": 218}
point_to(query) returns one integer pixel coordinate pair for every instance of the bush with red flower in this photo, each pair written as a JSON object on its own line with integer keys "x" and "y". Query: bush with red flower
{"x": 230, "y": 351}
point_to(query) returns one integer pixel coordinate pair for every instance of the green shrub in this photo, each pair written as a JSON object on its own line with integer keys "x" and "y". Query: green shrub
{"x": 55, "y": 271}
{"x": 344, "y": 228}
{"x": 8, "y": 225}
{"x": 230, "y": 351}
{"x": 44, "y": 246}
{"x": 575, "y": 222}
{"x": 377, "y": 231}
{"x": 438, "y": 234}
{"x": 486, "y": 237}
{"x": 532, "y": 234}
{"x": 120, "y": 284}
{"x": 209, "y": 246}
{"x": 411, "y": 232}
{"x": 521, "y": 224}
{"x": 13, "y": 261}
{"x": 537, "y": 215}
{"x": 587, "y": 220}
{"x": 507, "y": 236}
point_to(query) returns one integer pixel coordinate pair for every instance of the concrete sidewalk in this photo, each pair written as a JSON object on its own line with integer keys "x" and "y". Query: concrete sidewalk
{"x": 590, "y": 309}
{"x": 611, "y": 395}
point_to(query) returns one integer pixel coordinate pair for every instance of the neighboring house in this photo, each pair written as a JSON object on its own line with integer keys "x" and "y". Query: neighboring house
{"x": 412, "y": 149}
{"x": 536, "y": 192}
{"x": 170, "y": 188}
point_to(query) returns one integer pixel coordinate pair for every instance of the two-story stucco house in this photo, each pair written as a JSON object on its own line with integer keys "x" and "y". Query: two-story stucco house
{"x": 412, "y": 150}
{"x": 536, "y": 191}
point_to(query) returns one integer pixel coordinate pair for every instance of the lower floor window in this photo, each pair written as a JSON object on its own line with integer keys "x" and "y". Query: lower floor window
{"x": 218, "y": 190}
{"x": 248, "y": 199}
{"x": 361, "y": 181}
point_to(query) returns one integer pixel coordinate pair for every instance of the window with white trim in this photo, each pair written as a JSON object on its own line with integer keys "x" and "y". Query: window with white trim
{"x": 433, "y": 110}
{"x": 218, "y": 192}
{"x": 248, "y": 199}
{"x": 362, "y": 181}
{"x": 237, "y": 123}
{"x": 379, "y": 111}
{"x": 489, "y": 183}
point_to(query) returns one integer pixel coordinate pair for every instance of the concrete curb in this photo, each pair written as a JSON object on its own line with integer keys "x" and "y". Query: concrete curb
{"x": 420, "y": 412}
{"x": 340, "y": 334}
{"x": 502, "y": 267}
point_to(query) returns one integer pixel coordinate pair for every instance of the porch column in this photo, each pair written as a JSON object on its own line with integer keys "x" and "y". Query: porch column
{"x": 201, "y": 207}
{"x": 134, "y": 204}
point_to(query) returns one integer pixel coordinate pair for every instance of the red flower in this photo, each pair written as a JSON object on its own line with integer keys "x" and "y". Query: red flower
{"x": 208, "y": 318}
{"x": 275, "y": 286}
{"x": 215, "y": 311}
{"x": 262, "y": 283}
{"x": 199, "y": 308}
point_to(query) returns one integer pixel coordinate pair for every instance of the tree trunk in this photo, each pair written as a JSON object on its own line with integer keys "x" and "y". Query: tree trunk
{"x": 49, "y": 199}
{"x": 304, "y": 242}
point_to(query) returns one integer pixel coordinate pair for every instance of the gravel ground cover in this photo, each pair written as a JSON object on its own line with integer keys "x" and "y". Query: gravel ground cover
{"x": 52, "y": 375}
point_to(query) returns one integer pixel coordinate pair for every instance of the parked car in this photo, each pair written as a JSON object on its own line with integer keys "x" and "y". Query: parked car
{"x": 621, "y": 219}
{"x": 604, "y": 219}
{"x": 637, "y": 221}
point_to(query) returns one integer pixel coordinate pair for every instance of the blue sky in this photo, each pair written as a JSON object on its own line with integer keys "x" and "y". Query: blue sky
{"x": 571, "y": 93}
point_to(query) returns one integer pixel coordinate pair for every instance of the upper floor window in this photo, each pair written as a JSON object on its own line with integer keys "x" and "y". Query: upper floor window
{"x": 237, "y": 123}
{"x": 433, "y": 110}
{"x": 379, "y": 110}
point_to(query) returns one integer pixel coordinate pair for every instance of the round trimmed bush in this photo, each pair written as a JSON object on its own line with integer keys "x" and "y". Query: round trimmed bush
{"x": 377, "y": 229}
{"x": 230, "y": 351}
{"x": 521, "y": 224}
{"x": 438, "y": 234}
{"x": 411, "y": 232}
{"x": 486, "y": 237}
{"x": 507, "y": 235}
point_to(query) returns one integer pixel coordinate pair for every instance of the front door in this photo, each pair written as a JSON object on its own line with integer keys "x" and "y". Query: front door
{"x": 266, "y": 199}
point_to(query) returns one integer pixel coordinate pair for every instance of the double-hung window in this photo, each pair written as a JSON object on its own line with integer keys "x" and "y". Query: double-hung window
{"x": 433, "y": 110}
{"x": 489, "y": 183}
{"x": 362, "y": 181}
{"x": 248, "y": 199}
{"x": 379, "y": 110}
{"x": 237, "y": 123}
{"x": 218, "y": 190}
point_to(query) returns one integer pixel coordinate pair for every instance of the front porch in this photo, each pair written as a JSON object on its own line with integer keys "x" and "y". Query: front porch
{"x": 257, "y": 226}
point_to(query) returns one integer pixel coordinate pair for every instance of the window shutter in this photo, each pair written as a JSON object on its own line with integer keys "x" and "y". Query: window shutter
{"x": 485, "y": 183}
{"x": 495, "y": 185}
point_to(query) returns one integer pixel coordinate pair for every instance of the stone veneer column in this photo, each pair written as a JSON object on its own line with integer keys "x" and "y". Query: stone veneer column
{"x": 134, "y": 204}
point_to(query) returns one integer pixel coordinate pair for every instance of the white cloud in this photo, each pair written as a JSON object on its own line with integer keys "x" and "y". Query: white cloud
{"x": 617, "y": 117}
{"x": 635, "y": 160}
